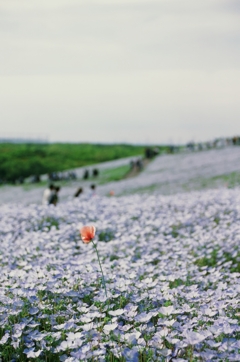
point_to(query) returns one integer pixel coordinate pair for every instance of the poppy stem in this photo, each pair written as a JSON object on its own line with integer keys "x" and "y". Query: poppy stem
{"x": 103, "y": 280}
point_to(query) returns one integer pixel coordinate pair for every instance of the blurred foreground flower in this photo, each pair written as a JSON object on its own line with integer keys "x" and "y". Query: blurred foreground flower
{"x": 87, "y": 234}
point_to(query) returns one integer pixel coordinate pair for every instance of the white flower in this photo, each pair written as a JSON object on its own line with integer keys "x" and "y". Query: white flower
{"x": 109, "y": 327}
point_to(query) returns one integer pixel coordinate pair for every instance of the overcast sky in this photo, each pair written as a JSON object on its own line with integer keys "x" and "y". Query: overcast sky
{"x": 136, "y": 71}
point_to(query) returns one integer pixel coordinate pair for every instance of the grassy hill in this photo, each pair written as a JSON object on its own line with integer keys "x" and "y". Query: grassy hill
{"x": 24, "y": 160}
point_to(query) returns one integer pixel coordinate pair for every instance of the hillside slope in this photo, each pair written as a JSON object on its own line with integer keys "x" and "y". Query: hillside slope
{"x": 166, "y": 174}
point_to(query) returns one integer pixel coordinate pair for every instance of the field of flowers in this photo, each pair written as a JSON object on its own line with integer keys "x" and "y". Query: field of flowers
{"x": 172, "y": 272}
{"x": 166, "y": 174}
{"x": 170, "y": 174}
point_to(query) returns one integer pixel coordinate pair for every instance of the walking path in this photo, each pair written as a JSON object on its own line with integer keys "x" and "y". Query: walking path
{"x": 166, "y": 174}
{"x": 135, "y": 171}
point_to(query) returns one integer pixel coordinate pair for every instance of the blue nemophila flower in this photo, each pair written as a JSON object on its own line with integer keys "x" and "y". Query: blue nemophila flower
{"x": 169, "y": 277}
{"x": 31, "y": 353}
{"x": 193, "y": 338}
{"x": 109, "y": 327}
{"x": 5, "y": 338}
{"x": 116, "y": 312}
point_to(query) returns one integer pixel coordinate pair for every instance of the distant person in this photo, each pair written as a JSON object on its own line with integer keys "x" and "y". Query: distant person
{"x": 139, "y": 164}
{"x": 54, "y": 196}
{"x": 47, "y": 193}
{"x": 148, "y": 152}
{"x": 86, "y": 175}
{"x": 93, "y": 190}
{"x": 78, "y": 192}
{"x": 132, "y": 164}
{"x": 35, "y": 179}
{"x": 95, "y": 172}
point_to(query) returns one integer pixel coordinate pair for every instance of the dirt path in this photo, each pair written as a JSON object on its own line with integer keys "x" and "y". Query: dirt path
{"x": 136, "y": 170}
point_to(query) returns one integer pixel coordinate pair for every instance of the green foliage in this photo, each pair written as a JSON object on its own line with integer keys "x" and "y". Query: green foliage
{"x": 48, "y": 222}
{"x": 176, "y": 283}
{"x": 106, "y": 235}
{"x": 210, "y": 261}
{"x": 24, "y": 160}
{"x": 213, "y": 259}
{"x": 235, "y": 268}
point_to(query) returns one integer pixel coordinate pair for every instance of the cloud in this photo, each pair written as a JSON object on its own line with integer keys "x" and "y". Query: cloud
{"x": 143, "y": 105}
{"x": 82, "y": 65}
{"x": 78, "y": 37}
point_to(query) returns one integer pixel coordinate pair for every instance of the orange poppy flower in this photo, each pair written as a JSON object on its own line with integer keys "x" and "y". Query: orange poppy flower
{"x": 87, "y": 233}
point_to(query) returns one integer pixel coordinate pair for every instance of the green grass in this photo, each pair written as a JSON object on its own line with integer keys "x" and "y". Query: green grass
{"x": 113, "y": 174}
{"x": 24, "y": 160}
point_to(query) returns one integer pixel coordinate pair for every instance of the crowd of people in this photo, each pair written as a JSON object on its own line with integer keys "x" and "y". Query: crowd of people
{"x": 65, "y": 176}
{"x": 51, "y": 194}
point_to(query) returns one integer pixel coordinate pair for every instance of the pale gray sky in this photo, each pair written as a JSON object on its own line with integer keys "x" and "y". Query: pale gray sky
{"x": 120, "y": 71}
